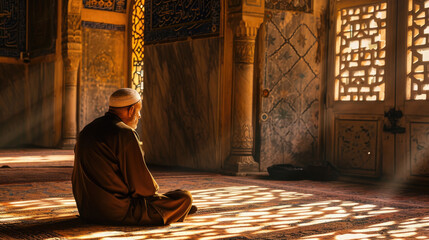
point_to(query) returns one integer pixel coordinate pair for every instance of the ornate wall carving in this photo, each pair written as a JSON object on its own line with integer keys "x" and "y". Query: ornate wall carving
{"x": 107, "y": 5}
{"x": 102, "y": 68}
{"x": 97, "y": 25}
{"x": 242, "y": 137}
{"x": 245, "y": 51}
{"x": 291, "y": 5}
{"x": 12, "y": 27}
{"x": 289, "y": 117}
{"x": 41, "y": 24}
{"x": 42, "y": 20}
{"x": 357, "y": 144}
{"x": 172, "y": 20}
{"x": 419, "y": 152}
{"x": 72, "y": 33}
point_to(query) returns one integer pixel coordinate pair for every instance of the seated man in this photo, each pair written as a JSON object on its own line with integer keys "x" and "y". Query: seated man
{"x": 111, "y": 182}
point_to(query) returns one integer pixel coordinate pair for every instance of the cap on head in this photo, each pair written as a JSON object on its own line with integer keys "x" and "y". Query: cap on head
{"x": 124, "y": 97}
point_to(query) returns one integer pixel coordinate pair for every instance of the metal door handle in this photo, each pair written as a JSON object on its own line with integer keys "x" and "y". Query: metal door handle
{"x": 393, "y": 116}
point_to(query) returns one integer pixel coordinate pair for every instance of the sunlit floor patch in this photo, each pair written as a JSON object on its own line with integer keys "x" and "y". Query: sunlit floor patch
{"x": 228, "y": 211}
{"x": 416, "y": 228}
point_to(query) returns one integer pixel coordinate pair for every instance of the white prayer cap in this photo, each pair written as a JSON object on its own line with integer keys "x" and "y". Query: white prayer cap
{"x": 124, "y": 97}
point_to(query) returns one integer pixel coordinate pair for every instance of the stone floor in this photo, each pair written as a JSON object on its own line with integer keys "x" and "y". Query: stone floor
{"x": 36, "y": 203}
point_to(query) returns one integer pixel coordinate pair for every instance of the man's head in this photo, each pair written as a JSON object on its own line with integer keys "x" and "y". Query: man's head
{"x": 126, "y": 104}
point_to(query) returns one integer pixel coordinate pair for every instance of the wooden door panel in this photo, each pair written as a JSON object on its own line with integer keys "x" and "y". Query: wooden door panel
{"x": 361, "y": 87}
{"x": 358, "y": 145}
{"x": 412, "y": 91}
{"x": 417, "y": 142}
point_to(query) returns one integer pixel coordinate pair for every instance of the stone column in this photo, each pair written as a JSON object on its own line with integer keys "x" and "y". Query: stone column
{"x": 72, "y": 55}
{"x": 245, "y": 17}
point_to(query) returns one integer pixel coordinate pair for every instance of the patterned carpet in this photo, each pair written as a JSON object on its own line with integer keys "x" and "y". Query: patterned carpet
{"x": 230, "y": 208}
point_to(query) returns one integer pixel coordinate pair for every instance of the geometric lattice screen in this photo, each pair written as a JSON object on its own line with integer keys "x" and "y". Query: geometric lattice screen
{"x": 418, "y": 50}
{"x": 360, "y": 53}
{"x": 137, "y": 46}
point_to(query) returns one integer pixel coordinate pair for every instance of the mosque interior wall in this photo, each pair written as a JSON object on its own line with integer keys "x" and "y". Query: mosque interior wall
{"x": 30, "y": 77}
{"x": 180, "y": 112}
{"x": 187, "y": 87}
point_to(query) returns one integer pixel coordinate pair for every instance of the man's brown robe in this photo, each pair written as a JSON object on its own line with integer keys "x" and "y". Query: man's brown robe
{"x": 111, "y": 182}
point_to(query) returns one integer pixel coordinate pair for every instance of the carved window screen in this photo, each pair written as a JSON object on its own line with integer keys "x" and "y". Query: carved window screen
{"x": 137, "y": 45}
{"x": 418, "y": 50}
{"x": 360, "y": 53}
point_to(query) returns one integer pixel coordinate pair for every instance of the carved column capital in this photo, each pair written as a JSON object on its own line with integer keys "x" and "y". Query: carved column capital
{"x": 245, "y": 17}
{"x": 72, "y": 34}
{"x": 245, "y": 29}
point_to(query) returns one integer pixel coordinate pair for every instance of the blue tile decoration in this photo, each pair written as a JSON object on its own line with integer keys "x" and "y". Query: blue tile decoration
{"x": 173, "y": 20}
{"x": 107, "y": 5}
{"x": 12, "y": 27}
{"x": 104, "y": 26}
{"x": 291, "y": 5}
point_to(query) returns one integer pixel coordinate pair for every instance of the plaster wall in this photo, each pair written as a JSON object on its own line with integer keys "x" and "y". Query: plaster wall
{"x": 180, "y": 104}
{"x": 27, "y": 98}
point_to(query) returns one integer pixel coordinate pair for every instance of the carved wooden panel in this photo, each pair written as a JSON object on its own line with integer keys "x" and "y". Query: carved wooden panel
{"x": 360, "y": 53}
{"x": 289, "y": 119}
{"x": 418, "y": 50}
{"x": 102, "y": 69}
{"x": 356, "y": 145}
{"x": 419, "y": 149}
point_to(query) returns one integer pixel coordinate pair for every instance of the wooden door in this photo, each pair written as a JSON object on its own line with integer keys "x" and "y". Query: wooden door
{"x": 361, "y": 87}
{"x": 412, "y": 91}
{"x": 378, "y": 89}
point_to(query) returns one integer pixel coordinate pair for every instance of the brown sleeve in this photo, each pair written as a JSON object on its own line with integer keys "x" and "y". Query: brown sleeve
{"x": 137, "y": 176}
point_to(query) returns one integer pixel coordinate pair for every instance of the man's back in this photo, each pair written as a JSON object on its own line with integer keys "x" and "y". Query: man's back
{"x": 104, "y": 150}
{"x": 111, "y": 182}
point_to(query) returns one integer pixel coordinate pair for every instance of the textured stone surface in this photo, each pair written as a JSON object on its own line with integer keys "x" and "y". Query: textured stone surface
{"x": 102, "y": 71}
{"x": 292, "y": 75}
{"x": 180, "y": 104}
